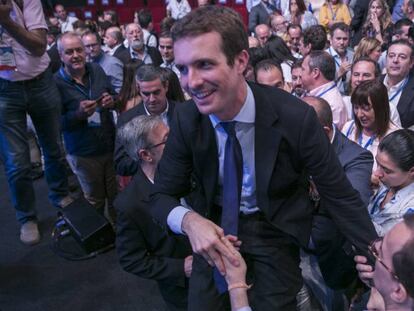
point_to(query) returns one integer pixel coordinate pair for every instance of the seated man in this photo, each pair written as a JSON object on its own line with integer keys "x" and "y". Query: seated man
{"x": 144, "y": 248}
{"x": 87, "y": 122}
{"x": 393, "y": 272}
{"x": 269, "y": 72}
{"x": 262, "y": 33}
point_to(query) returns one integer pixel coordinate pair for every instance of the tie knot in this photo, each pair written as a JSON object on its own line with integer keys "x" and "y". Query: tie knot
{"x": 229, "y": 127}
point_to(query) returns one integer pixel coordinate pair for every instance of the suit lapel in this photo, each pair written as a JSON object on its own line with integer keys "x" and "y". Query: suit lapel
{"x": 406, "y": 97}
{"x": 206, "y": 157}
{"x": 267, "y": 140}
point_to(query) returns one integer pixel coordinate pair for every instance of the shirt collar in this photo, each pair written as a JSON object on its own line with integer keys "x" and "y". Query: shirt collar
{"x": 247, "y": 113}
{"x": 163, "y": 114}
{"x": 395, "y": 87}
{"x": 321, "y": 88}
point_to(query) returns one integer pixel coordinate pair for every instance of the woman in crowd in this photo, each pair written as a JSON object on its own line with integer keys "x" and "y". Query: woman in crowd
{"x": 277, "y": 50}
{"x": 378, "y": 23}
{"x": 129, "y": 94}
{"x": 334, "y": 11}
{"x": 371, "y": 117}
{"x": 175, "y": 92}
{"x": 298, "y": 14}
{"x": 395, "y": 197}
{"x": 368, "y": 47}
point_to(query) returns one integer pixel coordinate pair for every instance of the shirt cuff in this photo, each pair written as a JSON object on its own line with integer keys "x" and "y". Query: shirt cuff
{"x": 175, "y": 218}
{"x": 244, "y": 309}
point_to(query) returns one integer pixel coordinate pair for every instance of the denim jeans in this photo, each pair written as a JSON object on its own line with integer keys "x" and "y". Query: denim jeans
{"x": 41, "y": 100}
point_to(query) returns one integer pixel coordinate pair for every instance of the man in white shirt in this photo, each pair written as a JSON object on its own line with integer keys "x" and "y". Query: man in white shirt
{"x": 318, "y": 78}
{"x": 66, "y": 22}
{"x": 178, "y": 8}
{"x": 166, "y": 48}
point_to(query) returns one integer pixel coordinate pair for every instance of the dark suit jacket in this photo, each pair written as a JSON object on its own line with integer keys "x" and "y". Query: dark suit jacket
{"x": 152, "y": 52}
{"x": 290, "y": 145}
{"x": 258, "y": 15}
{"x": 121, "y": 55}
{"x": 124, "y": 165}
{"x": 144, "y": 248}
{"x": 337, "y": 268}
{"x": 55, "y": 62}
{"x": 360, "y": 15}
{"x": 405, "y": 105}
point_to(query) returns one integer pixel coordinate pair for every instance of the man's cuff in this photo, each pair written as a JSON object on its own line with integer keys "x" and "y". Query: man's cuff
{"x": 175, "y": 218}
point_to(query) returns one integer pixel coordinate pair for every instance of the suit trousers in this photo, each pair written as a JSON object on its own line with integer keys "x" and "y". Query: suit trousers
{"x": 272, "y": 259}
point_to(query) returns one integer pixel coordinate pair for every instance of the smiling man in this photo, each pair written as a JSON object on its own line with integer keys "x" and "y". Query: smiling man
{"x": 244, "y": 148}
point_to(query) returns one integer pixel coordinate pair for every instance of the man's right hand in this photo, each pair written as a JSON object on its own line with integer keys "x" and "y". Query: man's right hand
{"x": 365, "y": 270}
{"x": 206, "y": 239}
{"x": 87, "y": 107}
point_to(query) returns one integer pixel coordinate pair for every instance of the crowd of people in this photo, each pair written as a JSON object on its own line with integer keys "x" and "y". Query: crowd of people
{"x": 259, "y": 166}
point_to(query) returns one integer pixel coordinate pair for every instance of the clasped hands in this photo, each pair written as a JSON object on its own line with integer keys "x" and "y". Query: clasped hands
{"x": 220, "y": 251}
{"x": 88, "y": 107}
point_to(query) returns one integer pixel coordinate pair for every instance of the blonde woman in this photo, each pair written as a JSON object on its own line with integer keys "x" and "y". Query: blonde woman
{"x": 368, "y": 47}
{"x": 378, "y": 23}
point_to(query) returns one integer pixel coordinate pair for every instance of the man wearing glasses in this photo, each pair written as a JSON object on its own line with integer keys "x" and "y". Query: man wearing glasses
{"x": 144, "y": 248}
{"x": 393, "y": 272}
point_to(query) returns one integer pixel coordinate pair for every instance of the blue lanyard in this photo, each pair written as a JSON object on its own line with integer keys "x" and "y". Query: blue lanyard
{"x": 332, "y": 12}
{"x": 401, "y": 88}
{"x": 326, "y": 91}
{"x": 368, "y": 143}
{"x": 81, "y": 89}
{"x": 378, "y": 199}
{"x": 336, "y": 62}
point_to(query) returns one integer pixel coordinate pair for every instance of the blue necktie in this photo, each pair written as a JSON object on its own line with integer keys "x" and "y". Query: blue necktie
{"x": 232, "y": 182}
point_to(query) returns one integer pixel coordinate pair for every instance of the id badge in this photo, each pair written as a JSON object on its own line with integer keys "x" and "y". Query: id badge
{"x": 7, "y": 60}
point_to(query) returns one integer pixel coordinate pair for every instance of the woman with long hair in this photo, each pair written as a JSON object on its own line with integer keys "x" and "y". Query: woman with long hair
{"x": 129, "y": 94}
{"x": 372, "y": 121}
{"x": 298, "y": 14}
{"x": 278, "y": 50}
{"x": 368, "y": 47}
{"x": 378, "y": 23}
{"x": 334, "y": 11}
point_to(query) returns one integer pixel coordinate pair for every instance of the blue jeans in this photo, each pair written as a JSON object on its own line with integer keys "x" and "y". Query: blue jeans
{"x": 40, "y": 99}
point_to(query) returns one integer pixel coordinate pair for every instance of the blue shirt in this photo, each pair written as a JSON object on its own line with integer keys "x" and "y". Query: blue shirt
{"x": 245, "y": 134}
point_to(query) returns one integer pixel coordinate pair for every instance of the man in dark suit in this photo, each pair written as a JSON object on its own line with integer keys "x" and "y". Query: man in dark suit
{"x": 260, "y": 14}
{"x": 144, "y": 248}
{"x": 263, "y": 201}
{"x": 137, "y": 49}
{"x": 337, "y": 267}
{"x": 114, "y": 41}
{"x": 399, "y": 81}
{"x": 52, "y": 50}
{"x": 153, "y": 87}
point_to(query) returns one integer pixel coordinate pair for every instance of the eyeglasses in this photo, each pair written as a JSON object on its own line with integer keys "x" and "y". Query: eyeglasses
{"x": 374, "y": 252}
{"x": 156, "y": 145}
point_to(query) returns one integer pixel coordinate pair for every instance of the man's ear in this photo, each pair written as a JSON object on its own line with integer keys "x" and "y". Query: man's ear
{"x": 145, "y": 155}
{"x": 399, "y": 294}
{"x": 241, "y": 61}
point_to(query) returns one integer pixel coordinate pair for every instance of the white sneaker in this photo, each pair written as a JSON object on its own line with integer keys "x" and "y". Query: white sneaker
{"x": 29, "y": 233}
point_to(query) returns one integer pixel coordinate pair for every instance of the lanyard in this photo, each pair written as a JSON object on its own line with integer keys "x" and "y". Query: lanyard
{"x": 326, "y": 91}
{"x": 333, "y": 56}
{"x": 400, "y": 89}
{"x": 80, "y": 88}
{"x": 368, "y": 143}
{"x": 378, "y": 199}
{"x": 332, "y": 12}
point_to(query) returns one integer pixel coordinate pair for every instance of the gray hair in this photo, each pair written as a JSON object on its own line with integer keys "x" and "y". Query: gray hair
{"x": 69, "y": 34}
{"x": 149, "y": 72}
{"x": 134, "y": 134}
{"x": 324, "y": 62}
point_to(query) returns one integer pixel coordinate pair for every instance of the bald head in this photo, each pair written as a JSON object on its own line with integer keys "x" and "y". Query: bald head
{"x": 322, "y": 109}
{"x": 262, "y": 32}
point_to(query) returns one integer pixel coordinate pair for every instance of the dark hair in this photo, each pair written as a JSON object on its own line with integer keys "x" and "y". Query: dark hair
{"x": 105, "y": 25}
{"x": 324, "y": 62}
{"x": 165, "y": 34}
{"x": 91, "y": 33}
{"x": 400, "y": 24}
{"x": 266, "y": 65}
{"x": 402, "y": 42}
{"x": 277, "y": 49}
{"x": 166, "y": 24}
{"x": 175, "y": 92}
{"x": 54, "y": 31}
{"x": 212, "y": 18}
{"x": 114, "y": 17}
{"x": 368, "y": 60}
{"x": 144, "y": 17}
{"x": 297, "y": 64}
{"x": 149, "y": 72}
{"x": 403, "y": 263}
{"x": 129, "y": 89}
{"x": 399, "y": 146}
{"x": 294, "y": 26}
{"x": 341, "y": 26}
{"x": 301, "y": 6}
{"x": 256, "y": 55}
{"x": 315, "y": 36}
{"x": 375, "y": 92}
